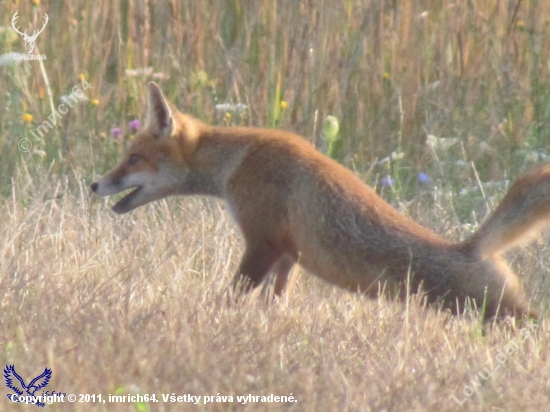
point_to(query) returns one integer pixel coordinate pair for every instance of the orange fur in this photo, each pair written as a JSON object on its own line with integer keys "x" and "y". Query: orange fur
{"x": 294, "y": 204}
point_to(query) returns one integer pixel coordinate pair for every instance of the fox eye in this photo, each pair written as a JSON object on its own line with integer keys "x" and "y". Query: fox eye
{"x": 134, "y": 159}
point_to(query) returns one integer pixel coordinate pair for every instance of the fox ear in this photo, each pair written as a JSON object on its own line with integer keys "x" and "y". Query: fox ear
{"x": 159, "y": 116}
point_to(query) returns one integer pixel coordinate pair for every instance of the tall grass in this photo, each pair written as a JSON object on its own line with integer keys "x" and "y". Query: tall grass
{"x": 392, "y": 72}
{"x": 138, "y": 303}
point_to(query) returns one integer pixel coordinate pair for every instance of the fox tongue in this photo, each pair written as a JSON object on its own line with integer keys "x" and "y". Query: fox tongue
{"x": 125, "y": 204}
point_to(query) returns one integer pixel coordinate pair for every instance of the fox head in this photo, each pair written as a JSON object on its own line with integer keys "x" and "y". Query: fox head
{"x": 157, "y": 160}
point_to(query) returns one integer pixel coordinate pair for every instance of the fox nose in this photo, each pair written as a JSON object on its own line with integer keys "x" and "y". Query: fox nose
{"x": 94, "y": 186}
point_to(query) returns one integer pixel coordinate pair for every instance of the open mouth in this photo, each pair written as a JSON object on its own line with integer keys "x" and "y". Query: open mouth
{"x": 125, "y": 204}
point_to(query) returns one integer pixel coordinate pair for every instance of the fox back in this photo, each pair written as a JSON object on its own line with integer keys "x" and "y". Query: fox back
{"x": 295, "y": 205}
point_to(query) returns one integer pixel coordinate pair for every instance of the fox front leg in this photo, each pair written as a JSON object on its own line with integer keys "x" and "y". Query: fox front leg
{"x": 255, "y": 265}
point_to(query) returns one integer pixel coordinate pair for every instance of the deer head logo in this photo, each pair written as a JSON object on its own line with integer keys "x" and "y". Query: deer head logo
{"x": 29, "y": 40}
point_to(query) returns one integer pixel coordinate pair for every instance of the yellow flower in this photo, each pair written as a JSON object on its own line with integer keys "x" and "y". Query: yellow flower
{"x": 520, "y": 23}
{"x": 284, "y": 104}
{"x": 95, "y": 102}
{"x": 36, "y": 2}
{"x": 228, "y": 115}
{"x": 40, "y": 153}
{"x": 27, "y": 118}
{"x": 386, "y": 75}
{"x": 82, "y": 76}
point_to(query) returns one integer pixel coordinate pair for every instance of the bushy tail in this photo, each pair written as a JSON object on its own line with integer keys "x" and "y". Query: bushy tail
{"x": 523, "y": 213}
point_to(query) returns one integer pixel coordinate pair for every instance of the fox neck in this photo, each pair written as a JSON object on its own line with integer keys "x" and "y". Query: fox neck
{"x": 217, "y": 154}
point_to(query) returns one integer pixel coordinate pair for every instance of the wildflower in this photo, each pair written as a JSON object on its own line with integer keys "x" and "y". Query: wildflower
{"x": 145, "y": 71}
{"x": 36, "y": 2}
{"x": 116, "y": 132}
{"x": 95, "y": 102}
{"x": 424, "y": 178}
{"x": 8, "y": 59}
{"x": 27, "y": 118}
{"x": 284, "y": 104}
{"x": 386, "y": 75}
{"x": 384, "y": 162}
{"x": 82, "y": 76}
{"x": 394, "y": 156}
{"x": 227, "y": 118}
{"x": 240, "y": 107}
{"x": 40, "y": 153}
{"x": 161, "y": 76}
{"x": 331, "y": 128}
{"x": 397, "y": 155}
{"x": 441, "y": 143}
{"x": 387, "y": 181}
{"x": 134, "y": 125}
{"x": 228, "y": 107}
{"x": 200, "y": 78}
{"x": 520, "y": 23}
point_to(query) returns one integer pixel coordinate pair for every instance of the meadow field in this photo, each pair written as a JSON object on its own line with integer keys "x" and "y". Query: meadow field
{"x": 440, "y": 106}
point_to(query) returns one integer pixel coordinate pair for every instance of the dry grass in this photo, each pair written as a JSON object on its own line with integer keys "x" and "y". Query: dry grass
{"x": 138, "y": 303}
{"x": 392, "y": 72}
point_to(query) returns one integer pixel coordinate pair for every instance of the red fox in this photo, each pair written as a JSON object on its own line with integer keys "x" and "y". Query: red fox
{"x": 295, "y": 205}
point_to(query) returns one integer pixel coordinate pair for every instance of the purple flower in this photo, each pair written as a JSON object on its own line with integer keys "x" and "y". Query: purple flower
{"x": 134, "y": 125}
{"x": 424, "y": 178}
{"x": 116, "y": 132}
{"x": 387, "y": 181}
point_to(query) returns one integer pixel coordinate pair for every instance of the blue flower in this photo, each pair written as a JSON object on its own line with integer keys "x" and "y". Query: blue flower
{"x": 387, "y": 181}
{"x": 424, "y": 178}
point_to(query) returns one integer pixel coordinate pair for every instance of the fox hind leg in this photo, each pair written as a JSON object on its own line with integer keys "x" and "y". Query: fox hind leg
{"x": 281, "y": 269}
